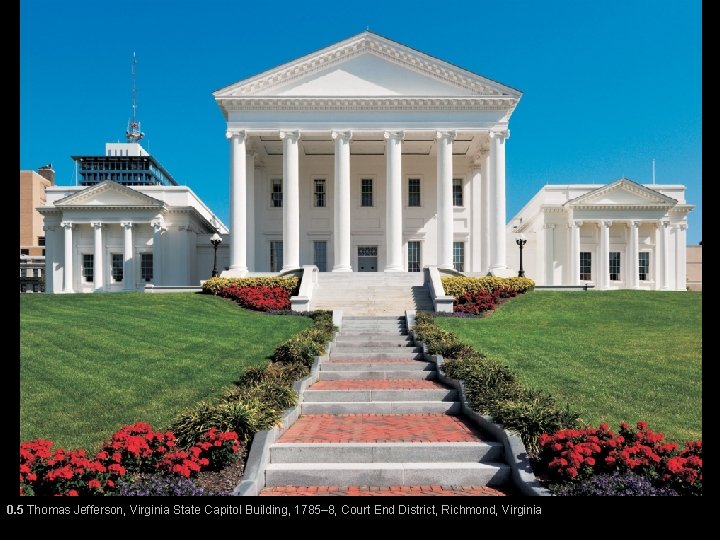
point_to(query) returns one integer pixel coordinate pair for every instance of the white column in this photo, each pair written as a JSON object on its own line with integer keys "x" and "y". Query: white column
{"x": 98, "y": 258}
{"x": 291, "y": 200}
{"x": 681, "y": 257}
{"x": 250, "y": 212}
{"x": 476, "y": 216}
{"x": 665, "y": 254}
{"x": 238, "y": 203}
{"x": 393, "y": 202}
{"x": 498, "y": 260}
{"x": 444, "y": 199}
{"x": 604, "y": 272}
{"x": 485, "y": 192}
{"x": 341, "y": 233}
{"x": 49, "y": 258}
{"x": 574, "y": 266}
{"x": 68, "y": 262}
{"x": 550, "y": 254}
{"x": 158, "y": 225}
{"x": 128, "y": 271}
{"x": 634, "y": 262}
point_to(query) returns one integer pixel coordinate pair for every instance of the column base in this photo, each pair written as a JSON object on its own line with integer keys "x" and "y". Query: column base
{"x": 394, "y": 269}
{"x": 342, "y": 268}
{"x": 237, "y": 271}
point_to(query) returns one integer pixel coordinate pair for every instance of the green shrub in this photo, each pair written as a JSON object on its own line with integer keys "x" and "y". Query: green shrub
{"x": 457, "y": 286}
{"x": 214, "y": 285}
{"x": 302, "y": 348}
{"x": 275, "y": 394}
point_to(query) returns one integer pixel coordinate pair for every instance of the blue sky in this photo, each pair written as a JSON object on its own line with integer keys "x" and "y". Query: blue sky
{"x": 608, "y": 86}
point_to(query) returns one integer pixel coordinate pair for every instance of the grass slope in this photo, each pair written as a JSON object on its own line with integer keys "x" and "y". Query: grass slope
{"x": 92, "y": 363}
{"x": 612, "y": 355}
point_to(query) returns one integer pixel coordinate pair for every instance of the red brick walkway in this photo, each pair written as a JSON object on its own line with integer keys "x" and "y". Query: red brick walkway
{"x": 331, "y": 428}
{"x": 378, "y": 384}
{"x": 382, "y": 491}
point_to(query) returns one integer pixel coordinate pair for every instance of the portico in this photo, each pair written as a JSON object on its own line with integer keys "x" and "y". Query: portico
{"x": 368, "y": 146}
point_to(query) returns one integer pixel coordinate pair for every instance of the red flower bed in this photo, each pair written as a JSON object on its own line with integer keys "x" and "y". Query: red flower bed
{"x": 571, "y": 455}
{"x": 476, "y": 302}
{"x": 132, "y": 449}
{"x": 258, "y": 298}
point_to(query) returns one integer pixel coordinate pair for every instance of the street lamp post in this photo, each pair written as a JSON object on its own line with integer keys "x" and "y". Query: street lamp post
{"x": 521, "y": 241}
{"x": 215, "y": 240}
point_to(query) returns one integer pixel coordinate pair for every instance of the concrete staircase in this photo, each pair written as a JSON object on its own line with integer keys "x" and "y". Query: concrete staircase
{"x": 377, "y": 417}
{"x": 371, "y": 293}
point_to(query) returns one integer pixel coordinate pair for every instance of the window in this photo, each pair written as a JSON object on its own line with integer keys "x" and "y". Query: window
{"x": 614, "y": 266}
{"x": 24, "y": 252}
{"x": 457, "y": 192}
{"x": 413, "y": 256}
{"x": 276, "y": 256}
{"x": 585, "y": 266}
{"x": 146, "y": 266}
{"x": 319, "y": 192}
{"x": 459, "y": 256}
{"x": 320, "y": 255}
{"x": 41, "y": 240}
{"x": 23, "y": 272}
{"x": 366, "y": 192}
{"x": 276, "y": 196}
{"x": 88, "y": 266}
{"x": 644, "y": 265}
{"x": 117, "y": 267}
{"x": 413, "y": 192}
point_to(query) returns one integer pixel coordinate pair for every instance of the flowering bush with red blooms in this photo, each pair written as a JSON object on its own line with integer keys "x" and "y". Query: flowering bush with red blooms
{"x": 258, "y": 298}
{"x": 132, "y": 449}
{"x": 476, "y": 301}
{"x": 572, "y": 455}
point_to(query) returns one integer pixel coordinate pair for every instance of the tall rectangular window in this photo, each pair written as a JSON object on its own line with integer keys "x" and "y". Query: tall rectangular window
{"x": 41, "y": 240}
{"x": 276, "y": 256}
{"x": 459, "y": 256}
{"x": 457, "y": 192}
{"x": 320, "y": 255}
{"x": 644, "y": 265}
{"x": 614, "y": 261}
{"x": 413, "y": 192}
{"x": 319, "y": 192}
{"x": 146, "y": 267}
{"x": 117, "y": 267}
{"x": 366, "y": 192}
{"x": 585, "y": 266}
{"x": 88, "y": 267}
{"x": 413, "y": 256}
{"x": 276, "y": 195}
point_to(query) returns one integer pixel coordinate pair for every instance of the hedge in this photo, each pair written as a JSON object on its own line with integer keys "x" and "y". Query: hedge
{"x": 215, "y": 285}
{"x": 457, "y": 286}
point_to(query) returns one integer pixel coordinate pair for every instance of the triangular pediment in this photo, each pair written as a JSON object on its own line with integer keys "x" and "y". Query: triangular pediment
{"x": 109, "y": 194}
{"x": 623, "y": 192}
{"x": 367, "y": 65}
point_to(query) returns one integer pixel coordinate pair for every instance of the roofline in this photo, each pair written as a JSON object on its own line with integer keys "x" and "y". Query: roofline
{"x": 120, "y": 158}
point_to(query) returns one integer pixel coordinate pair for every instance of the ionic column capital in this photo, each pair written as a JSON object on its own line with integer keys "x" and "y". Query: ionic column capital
{"x": 500, "y": 135}
{"x": 446, "y": 135}
{"x": 292, "y": 136}
{"x": 635, "y": 224}
{"x": 239, "y": 134}
{"x": 394, "y": 135}
{"x": 605, "y": 223}
{"x": 665, "y": 224}
{"x": 158, "y": 224}
{"x": 344, "y": 136}
{"x": 96, "y": 225}
{"x": 67, "y": 225}
{"x": 127, "y": 224}
{"x": 549, "y": 226}
{"x": 577, "y": 224}
{"x": 682, "y": 226}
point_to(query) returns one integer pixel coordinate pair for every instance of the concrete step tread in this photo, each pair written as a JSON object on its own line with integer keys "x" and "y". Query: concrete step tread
{"x": 394, "y": 365}
{"x": 381, "y": 407}
{"x": 369, "y": 491}
{"x": 341, "y": 375}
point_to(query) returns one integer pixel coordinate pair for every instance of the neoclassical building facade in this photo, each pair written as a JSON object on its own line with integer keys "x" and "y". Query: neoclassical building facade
{"x": 621, "y": 235}
{"x": 367, "y": 156}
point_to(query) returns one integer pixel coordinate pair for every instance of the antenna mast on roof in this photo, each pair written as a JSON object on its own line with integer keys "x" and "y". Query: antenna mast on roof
{"x": 133, "y": 133}
{"x": 653, "y": 171}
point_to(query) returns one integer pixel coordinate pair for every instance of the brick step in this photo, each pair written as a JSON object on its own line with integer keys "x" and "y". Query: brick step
{"x": 381, "y": 407}
{"x": 344, "y": 348}
{"x": 375, "y": 356}
{"x": 386, "y": 474}
{"x": 396, "y": 365}
{"x": 343, "y": 342}
{"x": 385, "y": 452}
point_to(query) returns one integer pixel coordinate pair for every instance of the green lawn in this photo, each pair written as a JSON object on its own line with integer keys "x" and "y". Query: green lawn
{"x": 92, "y": 363}
{"x": 612, "y": 355}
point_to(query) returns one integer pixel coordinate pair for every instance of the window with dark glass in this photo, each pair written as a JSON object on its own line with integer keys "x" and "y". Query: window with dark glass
{"x": 88, "y": 267}
{"x": 644, "y": 265}
{"x": 614, "y": 261}
{"x": 459, "y": 256}
{"x": 116, "y": 260}
{"x": 276, "y": 256}
{"x": 585, "y": 266}
{"x": 457, "y": 192}
{"x": 146, "y": 266}
{"x": 413, "y": 256}
{"x": 413, "y": 192}
{"x": 366, "y": 192}
{"x": 276, "y": 195}
{"x": 41, "y": 240}
{"x": 320, "y": 192}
